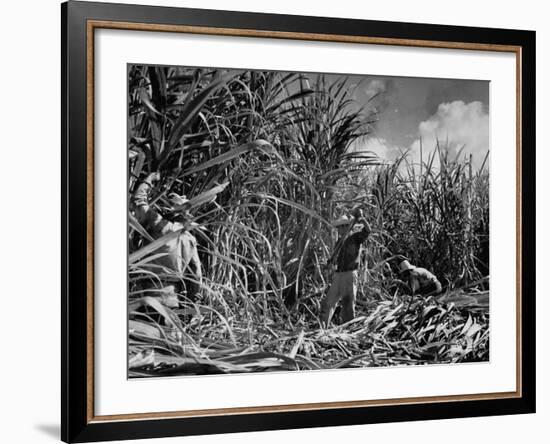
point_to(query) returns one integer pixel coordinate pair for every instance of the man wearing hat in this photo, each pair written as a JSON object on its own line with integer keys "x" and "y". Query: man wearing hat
{"x": 421, "y": 281}
{"x": 178, "y": 257}
{"x": 346, "y": 257}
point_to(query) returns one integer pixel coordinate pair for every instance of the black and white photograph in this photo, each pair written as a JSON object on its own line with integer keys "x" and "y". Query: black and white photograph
{"x": 292, "y": 221}
{"x": 265, "y": 222}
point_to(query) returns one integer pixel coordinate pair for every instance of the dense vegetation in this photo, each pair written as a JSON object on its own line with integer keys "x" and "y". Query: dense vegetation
{"x": 269, "y": 160}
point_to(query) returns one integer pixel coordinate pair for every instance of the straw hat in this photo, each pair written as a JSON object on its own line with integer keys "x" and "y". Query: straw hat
{"x": 342, "y": 220}
{"x": 175, "y": 199}
{"x": 405, "y": 266}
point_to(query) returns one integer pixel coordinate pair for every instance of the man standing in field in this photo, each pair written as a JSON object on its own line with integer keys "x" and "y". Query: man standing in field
{"x": 178, "y": 257}
{"x": 346, "y": 257}
{"x": 421, "y": 281}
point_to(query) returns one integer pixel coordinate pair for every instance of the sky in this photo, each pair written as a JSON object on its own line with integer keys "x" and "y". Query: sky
{"x": 411, "y": 111}
{"x": 416, "y": 112}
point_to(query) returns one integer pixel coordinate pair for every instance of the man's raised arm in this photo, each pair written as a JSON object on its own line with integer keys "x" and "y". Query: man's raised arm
{"x": 361, "y": 219}
{"x": 144, "y": 213}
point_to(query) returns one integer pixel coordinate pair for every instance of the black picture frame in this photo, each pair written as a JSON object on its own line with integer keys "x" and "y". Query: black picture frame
{"x": 77, "y": 425}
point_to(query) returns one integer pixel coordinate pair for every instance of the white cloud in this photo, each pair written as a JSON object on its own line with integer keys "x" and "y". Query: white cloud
{"x": 455, "y": 124}
{"x": 375, "y": 87}
{"x": 377, "y": 146}
{"x": 459, "y": 124}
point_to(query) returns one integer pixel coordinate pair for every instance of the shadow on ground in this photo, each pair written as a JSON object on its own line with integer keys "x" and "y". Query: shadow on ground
{"x": 51, "y": 430}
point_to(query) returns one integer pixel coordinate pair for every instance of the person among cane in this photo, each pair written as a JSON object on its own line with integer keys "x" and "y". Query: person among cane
{"x": 179, "y": 255}
{"x": 420, "y": 280}
{"x": 346, "y": 257}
